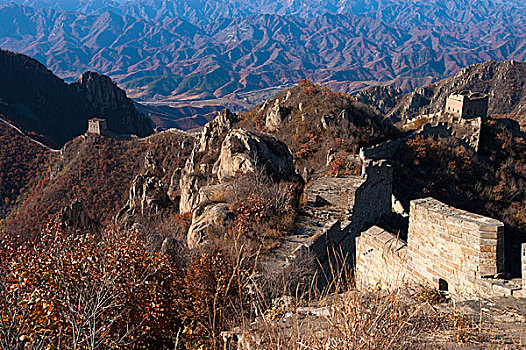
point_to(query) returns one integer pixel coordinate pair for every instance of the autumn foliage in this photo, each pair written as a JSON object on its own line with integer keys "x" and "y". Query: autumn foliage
{"x": 490, "y": 182}
{"x": 84, "y": 291}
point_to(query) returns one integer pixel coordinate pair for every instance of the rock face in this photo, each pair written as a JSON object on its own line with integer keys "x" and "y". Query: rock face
{"x": 220, "y": 154}
{"x": 37, "y": 101}
{"x": 74, "y": 217}
{"x": 244, "y": 152}
{"x": 147, "y": 197}
{"x": 275, "y": 116}
{"x": 203, "y": 220}
{"x": 204, "y": 151}
{"x": 216, "y": 129}
{"x": 108, "y": 100}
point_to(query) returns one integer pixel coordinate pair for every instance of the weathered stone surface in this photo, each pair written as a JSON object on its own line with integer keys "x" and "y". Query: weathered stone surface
{"x": 446, "y": 248}
{"x": 189, "y": 185}
{"x": 381, "y": 260}
{"x": 243, "y": 152}
{"x": 208, "y": 142}
{"x": 206, "y": 217}
{"x": 147, "y": 196}
{"x": 275, "y": 116}
{"x": 215, "y": 129}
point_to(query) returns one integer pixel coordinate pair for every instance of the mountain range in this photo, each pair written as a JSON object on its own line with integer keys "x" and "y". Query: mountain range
{"x": 169, "y": 51}
{"x": 33, "y": 99}
{"x": 502, "y": 81}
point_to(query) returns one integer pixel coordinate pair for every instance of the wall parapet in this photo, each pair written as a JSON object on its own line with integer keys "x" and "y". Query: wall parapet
{"x": 452, "y": 249}
{"x": 381, "y": 259}
{"x": 447, "y": 248}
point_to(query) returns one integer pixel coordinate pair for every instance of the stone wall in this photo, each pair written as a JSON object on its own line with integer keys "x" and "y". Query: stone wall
{"x": 97, "y": 126}
{"x": 452, "y": 249}
{"x": 384, "y": 150}
{"x": 372, "y": 199}
{"x": 447, "y": 249}
{"x": 467, "y": 105}
{"x": 455, "y": 105}
{"x": 381, "y": 260}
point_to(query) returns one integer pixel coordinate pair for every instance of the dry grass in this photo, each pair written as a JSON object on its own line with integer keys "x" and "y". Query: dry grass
{"x": 342, "y": 317}
{"x": 359, "y": 320}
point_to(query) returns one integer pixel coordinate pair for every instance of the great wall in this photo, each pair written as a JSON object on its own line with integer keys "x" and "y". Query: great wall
{"x": 446, "y": 248}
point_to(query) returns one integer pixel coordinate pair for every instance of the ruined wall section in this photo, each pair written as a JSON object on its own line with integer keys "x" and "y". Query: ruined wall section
{"x": 381, "y": 260}
{"x": 372, "y": 199}
{"x": 451, "y": 248}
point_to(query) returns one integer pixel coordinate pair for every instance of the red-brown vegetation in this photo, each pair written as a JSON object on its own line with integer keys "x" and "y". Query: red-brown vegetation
{"x": 491, "y": 182}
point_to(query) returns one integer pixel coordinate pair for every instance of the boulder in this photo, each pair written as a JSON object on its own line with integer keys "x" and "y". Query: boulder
{"x": 243, "y": 152}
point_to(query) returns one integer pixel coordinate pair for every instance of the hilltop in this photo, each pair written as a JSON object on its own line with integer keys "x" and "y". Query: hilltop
{"x": 43, "y": 105}
{"x": 323, "y": 129}
{"x": 502, "y": 81}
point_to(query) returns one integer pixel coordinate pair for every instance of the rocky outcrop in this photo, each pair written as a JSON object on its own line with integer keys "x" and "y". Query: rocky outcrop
{"x": 502, "y": 81}
{"x": 220, "y": 154}
{"x": 204, "y": 219}
{"x": 275, "y": 116}
{"x": 381, "y": 98}
{"x": 204, "y": 152}
{"x": 243, "y": 152}
{"x": 40, "y": 103}
{"x": 215, "y": 130}
{"x": 108, "y": 100}
{"x": 74, "y": 217}
{"x": 147, "y": 197}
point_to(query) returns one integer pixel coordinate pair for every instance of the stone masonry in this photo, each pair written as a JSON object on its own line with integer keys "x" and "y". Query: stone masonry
{"x": 467, "y": 104}
{"x": 447, "y": 249}
{"x": 335, "y": 211}
{"x": 524, "y": 266}
{"x": 381, "y": 259}
{"x": 97, "y": 126}
{"x": 451, "y": 249}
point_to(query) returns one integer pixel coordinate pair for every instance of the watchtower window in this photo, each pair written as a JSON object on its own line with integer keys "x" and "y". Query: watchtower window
{"x": 442, "y": 285}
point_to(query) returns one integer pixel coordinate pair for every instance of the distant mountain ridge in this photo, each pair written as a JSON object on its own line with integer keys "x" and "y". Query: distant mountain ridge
{"x": 206, "y": 11}
{"x": 205, "y": 49}
{"x": 504, "y": 82}
{"x": 38, "y": 102}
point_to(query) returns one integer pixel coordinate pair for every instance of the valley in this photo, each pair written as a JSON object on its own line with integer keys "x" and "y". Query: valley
{"x": 159, "y": 52}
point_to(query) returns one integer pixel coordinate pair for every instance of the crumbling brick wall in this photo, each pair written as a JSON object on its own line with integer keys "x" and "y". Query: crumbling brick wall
{"x": 372, "y": 199}
{"x": 451, "y": 248}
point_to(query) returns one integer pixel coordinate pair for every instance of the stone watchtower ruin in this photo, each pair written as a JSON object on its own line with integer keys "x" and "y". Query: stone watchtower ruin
{"x": 464, "y": 115}
{"x": 97, "y": 126}
{"x": 467, "y": 105}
